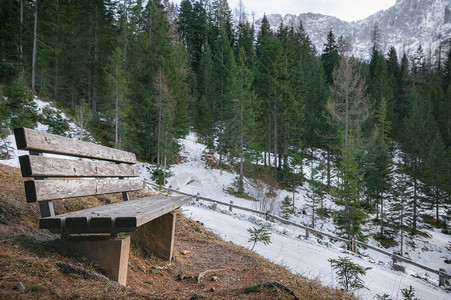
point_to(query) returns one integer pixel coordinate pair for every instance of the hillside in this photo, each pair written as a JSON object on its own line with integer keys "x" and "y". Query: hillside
{"x": 34, "y": 265}
{"x": 199, "y": 173}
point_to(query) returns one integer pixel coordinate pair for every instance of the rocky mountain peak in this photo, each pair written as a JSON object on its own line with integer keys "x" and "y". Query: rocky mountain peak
{"x": 405, "y": 26}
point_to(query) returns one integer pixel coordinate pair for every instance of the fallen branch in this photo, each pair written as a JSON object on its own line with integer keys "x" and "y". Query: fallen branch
{"x": 202, "y": 274}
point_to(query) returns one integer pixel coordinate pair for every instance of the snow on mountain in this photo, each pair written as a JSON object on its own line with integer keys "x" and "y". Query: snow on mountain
{"x": 405, "y": 26}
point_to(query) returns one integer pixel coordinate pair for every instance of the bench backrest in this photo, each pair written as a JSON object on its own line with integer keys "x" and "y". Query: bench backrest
{"x": 79, "y": 168}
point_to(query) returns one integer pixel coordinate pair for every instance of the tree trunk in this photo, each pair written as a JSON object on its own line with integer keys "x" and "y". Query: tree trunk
{"x": 125, "y": 34}
{"x": 22, "y": 68}
{"x": 55, "y": 89}
{"x": 240, "y": 185}
{"x": 382, "y": 214}
{"x": 160, "y": 117}
{"x": 415, "y": 196}
{"x": 328, "y": 168}
{"x": 33, "y": 63}
{"x": 96, "y": 50}
{"x": 116, "y": 118}
{"x": 437, "y": 200}
{"x": 402, "y": 224}
{"x": 275, "y": 131}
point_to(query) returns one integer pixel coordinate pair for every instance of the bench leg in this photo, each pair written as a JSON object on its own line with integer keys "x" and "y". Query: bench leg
{"x": 110, "y": 254}
{"x": 157, "y": 235}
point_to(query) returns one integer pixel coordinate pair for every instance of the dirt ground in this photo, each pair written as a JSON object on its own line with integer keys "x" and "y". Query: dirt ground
{"x": 32, "y": 262}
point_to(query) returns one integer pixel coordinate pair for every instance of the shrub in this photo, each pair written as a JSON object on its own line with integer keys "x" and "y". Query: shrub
{"x": 348, "y": 273}
{"x": 259, "y": 235}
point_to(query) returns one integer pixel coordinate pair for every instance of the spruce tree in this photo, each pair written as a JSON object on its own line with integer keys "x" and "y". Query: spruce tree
{"x": 378, "y": 176}
{"x": 330, "y": 57}
{"x": 314, "y": 192}
{"x": 178, "y": 82}
{"x": 118, "y": 106}
{"x": 223, "y": 76}
{"x": 413, "y": 144}
{"x": 435, "y": 173}
{"x": 241, "y": 130}
{"x": 206, "y": 103}
{"x": 350, "y": 218}
{"x": 400, "y": 209}
{"x": 269, "y": 67}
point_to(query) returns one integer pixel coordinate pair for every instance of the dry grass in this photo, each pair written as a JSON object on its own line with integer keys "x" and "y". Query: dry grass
{"x": 29, "y": 260}
{"x": 385, "y": 241}
{"x": 231, "y": 191}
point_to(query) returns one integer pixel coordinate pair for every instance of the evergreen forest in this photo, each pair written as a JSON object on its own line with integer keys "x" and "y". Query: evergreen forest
{"x": 141, "y": 74}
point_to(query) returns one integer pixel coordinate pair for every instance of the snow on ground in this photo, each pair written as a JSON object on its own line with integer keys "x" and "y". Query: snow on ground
{"x": 307, "y": 257}
{"x": 13, "y": 159}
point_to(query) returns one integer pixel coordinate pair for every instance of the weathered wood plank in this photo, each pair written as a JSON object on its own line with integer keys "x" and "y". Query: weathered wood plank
{"x": 43, "y": 190}
{"x": 39, "y": 166}
{"x": 116, "y": 217}
{"x": 32, "y": 140}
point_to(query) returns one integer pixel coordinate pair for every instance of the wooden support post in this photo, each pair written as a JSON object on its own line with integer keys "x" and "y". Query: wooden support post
{"x": 230, "y": 208}
{"x": 307, "y": 233}
{"x": 125, "y": 196}
{"x": 157, "y": 235}
{"x": 441, "y": 279}
{"x": 110, "y": 254}
{"x": 46, "y": 208}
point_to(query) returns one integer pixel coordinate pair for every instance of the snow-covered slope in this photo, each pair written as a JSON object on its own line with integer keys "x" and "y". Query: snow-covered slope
{"x": 307, "y": 257}
{"x": 405, "y": 26}
{"x": 289, "y": 247}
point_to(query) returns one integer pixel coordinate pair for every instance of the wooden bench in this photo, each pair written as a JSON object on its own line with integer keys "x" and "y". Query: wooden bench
{"x": 65, "y": 168}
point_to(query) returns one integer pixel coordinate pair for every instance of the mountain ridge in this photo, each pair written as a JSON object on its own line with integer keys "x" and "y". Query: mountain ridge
{"x": 406, "y": 25}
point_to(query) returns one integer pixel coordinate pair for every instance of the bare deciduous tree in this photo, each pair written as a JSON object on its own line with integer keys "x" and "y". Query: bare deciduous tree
{"x": 349, "y": 105}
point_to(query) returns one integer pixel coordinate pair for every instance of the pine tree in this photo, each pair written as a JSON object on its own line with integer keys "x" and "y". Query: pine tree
{"x": 241, "y": 131}
{"x": 19, "y": 103}
{"x": 192, "y": 26}
{"x": 165, "y": 105}
{"x": 402, "y": 99}
{"x": 435, "y": 173}
{"x": 206, "y": 104}
{"x": 378, "y": 176}
{"x": 119, "y": 105}
{"x": 350, "y": 219}
{"x": 330, "y": 57}
{"x": 10, "y": 33}
{"x": 178, "y": 81}
{"x": 349, "y": 273}
{"x": 314, "y": 192}
{"x": 223, "y": 75}
{"x": 267, "y": 84}
{"x": 83, "y": 117}
{"x": 381, "y": 87}
{"x": 400, "y": 209}
{"x": 287, "y": 207}
{"x": 413, "y": 146}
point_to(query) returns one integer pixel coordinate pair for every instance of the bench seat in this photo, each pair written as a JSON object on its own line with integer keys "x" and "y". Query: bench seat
{"x": 113, "y": 218}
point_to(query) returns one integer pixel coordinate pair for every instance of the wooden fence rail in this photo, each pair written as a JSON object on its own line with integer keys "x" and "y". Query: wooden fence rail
{"x": 442, "y": 274}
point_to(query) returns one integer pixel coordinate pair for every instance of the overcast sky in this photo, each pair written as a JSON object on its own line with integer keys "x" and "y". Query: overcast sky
{"x": 347, "y": 10}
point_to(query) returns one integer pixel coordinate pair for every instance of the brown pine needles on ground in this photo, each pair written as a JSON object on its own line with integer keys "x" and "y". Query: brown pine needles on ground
{"x": 31, "y": 262}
